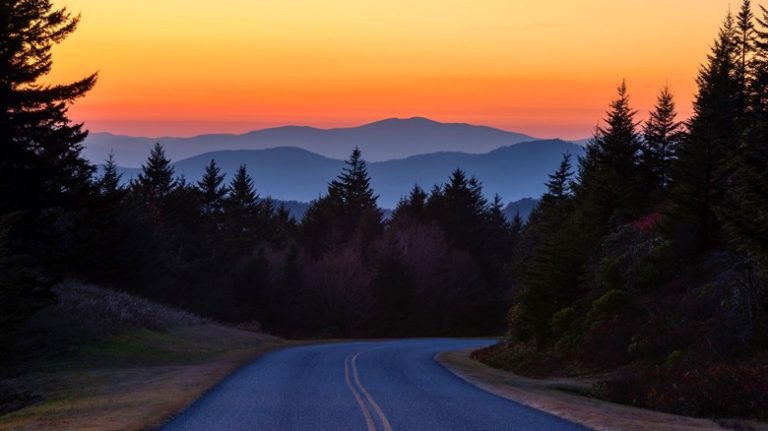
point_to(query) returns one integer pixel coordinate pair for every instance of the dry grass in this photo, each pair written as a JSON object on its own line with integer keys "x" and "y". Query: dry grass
{"x": 548, "y": 396}
{"x": 113, "y": 361}
{"x": 125, "y": 398}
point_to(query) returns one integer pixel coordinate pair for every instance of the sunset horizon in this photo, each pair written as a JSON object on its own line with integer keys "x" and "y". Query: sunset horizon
{"x": 241, "y": 66}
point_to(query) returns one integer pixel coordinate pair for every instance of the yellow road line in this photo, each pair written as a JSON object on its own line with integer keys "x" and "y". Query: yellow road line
{"x": 379, "y": 412}
{"x": 360, "y": 403}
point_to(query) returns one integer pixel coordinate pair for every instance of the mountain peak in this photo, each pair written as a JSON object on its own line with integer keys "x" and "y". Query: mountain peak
{"x": 396, "y": 121}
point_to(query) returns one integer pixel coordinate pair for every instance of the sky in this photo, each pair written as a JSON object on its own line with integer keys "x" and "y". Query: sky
{"x": 544, "y": 68}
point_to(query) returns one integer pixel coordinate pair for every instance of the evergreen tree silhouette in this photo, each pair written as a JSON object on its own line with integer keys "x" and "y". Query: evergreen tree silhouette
{"x": 610, "y": 182}
{"x": 44, "y": 181}
{"x": 744, "y": 38}
{"x": 41, "y": 168}
{"x": 109, "y": 182}
{"x": 213, "y": 190}
{"x": 156, "y": 182}
{"x": 661, "y": 135}
{"x": 699, "y": 173}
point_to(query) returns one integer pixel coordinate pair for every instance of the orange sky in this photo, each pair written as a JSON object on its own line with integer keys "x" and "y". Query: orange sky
{"x": 546, "y": 68}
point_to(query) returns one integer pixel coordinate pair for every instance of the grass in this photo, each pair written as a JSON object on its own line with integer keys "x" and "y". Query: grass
{"x": 116, "y": 362}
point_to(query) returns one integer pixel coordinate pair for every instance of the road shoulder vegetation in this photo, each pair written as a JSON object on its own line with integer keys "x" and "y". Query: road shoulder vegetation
{"x": 566, "y": 398}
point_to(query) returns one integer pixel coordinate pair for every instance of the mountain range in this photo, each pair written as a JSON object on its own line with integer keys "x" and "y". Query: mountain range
{"x": 392, "y": 138}
{"x": 288, "y": 173}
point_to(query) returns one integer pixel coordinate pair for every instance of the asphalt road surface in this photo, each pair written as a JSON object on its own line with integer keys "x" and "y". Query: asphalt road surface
{"x": 368, "y": 386}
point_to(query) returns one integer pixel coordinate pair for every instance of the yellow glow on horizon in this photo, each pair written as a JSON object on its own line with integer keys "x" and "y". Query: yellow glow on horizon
{"x": 175, "y": 67}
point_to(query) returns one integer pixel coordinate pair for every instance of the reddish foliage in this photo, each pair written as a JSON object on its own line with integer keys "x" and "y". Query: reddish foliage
{"x": 647, "y": 223}
{"x": 714, "y": 390}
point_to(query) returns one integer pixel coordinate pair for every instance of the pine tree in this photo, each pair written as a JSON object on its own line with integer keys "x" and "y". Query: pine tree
{"x": 213, "y": 190}
{"x": 744, "y": 39}
{"x": 661, "y": 135}
{"x": 745, "y": 212}
{"x": 610, "y": 187}
{"x": 463, "y": 208}
{"x": 549, "y": 274}
{"x": 156, "y": 181}
{"x": 41, "y": 168}
{"x": 109, "y": 182}
{"x": 353, "y": 193}
{"x": 348, "y": 212}
{"x": 699, "y": 174}
{"x": 413, "y": 207}
{"x": 241, "y": 205}
{"x": 241, "y": 191}
{"x": 44, "y": 181}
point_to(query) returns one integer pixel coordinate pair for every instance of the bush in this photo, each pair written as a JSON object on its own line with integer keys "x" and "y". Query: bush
{"x": 719, "y": 390}
{"x": 563, "y": 320}
{"x": 609, "y": 305}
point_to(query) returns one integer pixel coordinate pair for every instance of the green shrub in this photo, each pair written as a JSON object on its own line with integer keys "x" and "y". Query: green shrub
{"x": 563, "y": 320}
{"x": 613, "y": 303}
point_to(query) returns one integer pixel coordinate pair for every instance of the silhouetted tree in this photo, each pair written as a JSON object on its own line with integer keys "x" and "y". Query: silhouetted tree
{"x": 610, "y": 187}
{"x": 549, "y": 274}
{"x": 348, "y": 212}
{"x": 213, "y": 190}
{"x": 44, "y": 181}
{"x": 661, "y": 135}
{"x": 155, "y": 182}
{"x": 699, "y": 174}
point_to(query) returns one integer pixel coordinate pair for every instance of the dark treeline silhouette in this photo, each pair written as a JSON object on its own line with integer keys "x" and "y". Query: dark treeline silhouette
{"x": 221, "y": 250}
{"x": 648, "y": 254}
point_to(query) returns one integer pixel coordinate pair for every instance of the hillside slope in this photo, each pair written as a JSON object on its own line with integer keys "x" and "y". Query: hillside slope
{"x": 112, "y": 361}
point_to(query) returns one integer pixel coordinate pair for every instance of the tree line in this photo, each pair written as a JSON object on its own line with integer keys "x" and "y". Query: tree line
{"x": 650, "y": 252}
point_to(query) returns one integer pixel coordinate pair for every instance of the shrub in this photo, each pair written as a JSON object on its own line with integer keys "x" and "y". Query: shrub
{"x": 563, "y": 320}
{"x": 609, "y": 305}
{"x": 717, "y": 390}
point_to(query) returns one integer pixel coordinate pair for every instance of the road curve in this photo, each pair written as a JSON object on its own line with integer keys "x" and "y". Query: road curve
{"x": 369, "y": 386}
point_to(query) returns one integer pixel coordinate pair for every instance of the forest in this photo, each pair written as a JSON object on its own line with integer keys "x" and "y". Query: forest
{"x": 648, "y": 255}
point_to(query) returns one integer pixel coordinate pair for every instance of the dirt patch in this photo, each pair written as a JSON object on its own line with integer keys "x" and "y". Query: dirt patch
{"x": 559, "y": 397}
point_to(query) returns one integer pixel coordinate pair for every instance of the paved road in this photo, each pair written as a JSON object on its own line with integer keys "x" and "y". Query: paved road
{"x": 368, "y": 386}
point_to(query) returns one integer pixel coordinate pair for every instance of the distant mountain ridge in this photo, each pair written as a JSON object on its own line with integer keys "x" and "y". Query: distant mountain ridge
{"x": 393, "y": 138}
{"x": 292, "y": 174}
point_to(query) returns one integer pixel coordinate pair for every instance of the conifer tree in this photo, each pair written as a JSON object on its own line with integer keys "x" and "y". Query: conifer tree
{"x": 109, "y": 182}
{"x": 699, "y": 175}
{"x": 745, "y": 211}
{"x": 744, "y": 39}
{"x": 413, "y": 207}
{"x": 353, "y": 193}
{"x": 550, "y": 273}
{"x": 241, "y": 202}
{"x": 41, "y": 168}
{"x": 661, "y": 135}
{"x": 610, "y": 181}
{"x": 156, "y": 180}
{"x": 43, "y": 178}
{"x": 212, "y": 187}
{"x": 348, "y": 212}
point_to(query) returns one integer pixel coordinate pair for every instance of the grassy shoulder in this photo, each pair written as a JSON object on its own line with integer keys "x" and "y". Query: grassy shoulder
{"x": 131, "y": 379}
{"x": 564, "y": 398}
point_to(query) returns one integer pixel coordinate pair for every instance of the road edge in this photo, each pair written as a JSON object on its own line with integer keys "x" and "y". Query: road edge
{"x": 548, "y": 397}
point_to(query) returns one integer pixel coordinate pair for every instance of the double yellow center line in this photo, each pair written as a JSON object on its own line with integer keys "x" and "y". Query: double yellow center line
{"x": 358, "y": 390}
